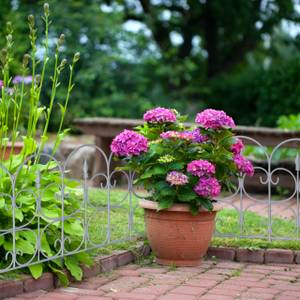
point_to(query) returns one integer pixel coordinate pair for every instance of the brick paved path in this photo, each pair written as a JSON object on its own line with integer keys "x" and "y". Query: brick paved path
{"x": 220, "y": 280}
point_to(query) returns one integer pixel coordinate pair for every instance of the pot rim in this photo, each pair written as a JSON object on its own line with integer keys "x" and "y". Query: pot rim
{"x": 148, "y": 204}
{"x": 16, "y": 144}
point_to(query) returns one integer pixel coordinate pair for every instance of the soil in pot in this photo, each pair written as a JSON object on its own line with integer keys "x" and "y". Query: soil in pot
{"x": 176, "y": 236}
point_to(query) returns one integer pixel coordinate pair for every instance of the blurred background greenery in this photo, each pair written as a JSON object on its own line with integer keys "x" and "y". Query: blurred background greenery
{"x": 241, "y": 56}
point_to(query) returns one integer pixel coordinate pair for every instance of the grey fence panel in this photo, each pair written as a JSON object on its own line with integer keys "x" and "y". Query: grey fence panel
{"x": 276, "y": 206}
{"x": 93, "y": 214}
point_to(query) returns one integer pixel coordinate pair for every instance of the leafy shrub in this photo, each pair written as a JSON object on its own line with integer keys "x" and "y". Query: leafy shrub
{"x": 290, "y": 122}
{"x": 35, "y": 212}
{"x": 265, "y": 94}
{"x": 43, "y": 220}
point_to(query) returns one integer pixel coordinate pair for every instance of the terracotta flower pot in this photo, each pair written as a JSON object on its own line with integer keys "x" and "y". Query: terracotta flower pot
{"x": 176, "y": 236}
{"x": 17, "y": 149}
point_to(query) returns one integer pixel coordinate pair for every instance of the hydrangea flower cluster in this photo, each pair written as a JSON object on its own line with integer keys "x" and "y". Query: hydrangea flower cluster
{"x": 207, "y": 187}
{"x": 201, "y": 167}
{"x": 177, "y": 135}
{"x": 160, "y": 115}
{"x": 198, "y": 137}
{"x": 177, "y": 178}
{"x": 244, "y": 165}
{"x": 214, "y": 119}
{"x": 129, "y": 143}
{"x": 237, "y": 147}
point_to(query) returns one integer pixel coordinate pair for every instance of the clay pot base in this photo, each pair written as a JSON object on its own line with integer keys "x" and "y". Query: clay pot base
{"x": 177, "y": 237}
{"x": 178, "y": 263}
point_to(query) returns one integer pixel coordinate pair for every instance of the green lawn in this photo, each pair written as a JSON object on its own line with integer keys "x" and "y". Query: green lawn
{"x": 227, "y": 223}
{"x": 119, "y": 218}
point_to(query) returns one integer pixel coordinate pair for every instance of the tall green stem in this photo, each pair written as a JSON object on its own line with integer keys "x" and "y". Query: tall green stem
{"x": 6, "y": 59}
{"x": 32, "y": 37}
{"x": 55, "y": 78}
{"x": 64, "y": 108}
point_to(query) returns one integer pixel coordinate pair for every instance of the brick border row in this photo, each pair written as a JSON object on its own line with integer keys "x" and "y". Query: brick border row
{"x": 260, "y": 256}
{"x": 11, "y": 288}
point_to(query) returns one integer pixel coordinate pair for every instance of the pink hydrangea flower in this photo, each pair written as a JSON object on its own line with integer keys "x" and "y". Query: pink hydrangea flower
{"x": 129, "y": 143}
{"x": 201, "y": 168}
{"x": 171, "y": 134}
{"x": 237, "y": 147}
{"x": 244, "y": 165}
{"x": 160, "y": 115}
{"x": 186, "y": 135}
{"x": 207, "y": 187}
{"x": 214, "y": 119}
{"x": 177, "y": 178}
{"x": 1, "y": 84}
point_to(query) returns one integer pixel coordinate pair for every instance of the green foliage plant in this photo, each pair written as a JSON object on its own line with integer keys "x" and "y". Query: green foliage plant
{"x": 36, "y": 202}
{"x": 289, "y": 122}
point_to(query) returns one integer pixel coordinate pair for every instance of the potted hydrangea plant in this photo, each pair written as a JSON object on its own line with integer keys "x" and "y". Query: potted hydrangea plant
{"x": 184, "y": 171}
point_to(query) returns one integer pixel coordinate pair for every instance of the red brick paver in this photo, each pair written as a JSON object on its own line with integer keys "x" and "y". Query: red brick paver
{"x": 213, "y": 280}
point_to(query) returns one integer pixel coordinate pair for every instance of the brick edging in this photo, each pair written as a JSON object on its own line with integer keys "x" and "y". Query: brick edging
{"x": 11, "y": 288}
{"x": 260, "y": 256}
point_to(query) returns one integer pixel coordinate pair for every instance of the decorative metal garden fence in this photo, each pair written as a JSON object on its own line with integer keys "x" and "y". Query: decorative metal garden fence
{"x": 273, "y": 215}
{"x": 57, "y": 216}
{"x": 35, "y": 228}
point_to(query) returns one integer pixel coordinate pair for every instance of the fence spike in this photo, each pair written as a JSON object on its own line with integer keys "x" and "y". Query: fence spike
{"x": 297, "y": 162}
{"x": 85, "y": 170}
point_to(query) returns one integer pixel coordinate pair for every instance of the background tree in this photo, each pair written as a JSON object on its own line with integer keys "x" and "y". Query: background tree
{"x": 186, "y": 54}
{"x": 225, "y": 31}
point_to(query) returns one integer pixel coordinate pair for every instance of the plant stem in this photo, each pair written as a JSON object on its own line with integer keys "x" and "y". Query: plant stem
{"x": 64, "y": 108}
{"x": 55, "y": 78}
{"x": 32, "y": 37}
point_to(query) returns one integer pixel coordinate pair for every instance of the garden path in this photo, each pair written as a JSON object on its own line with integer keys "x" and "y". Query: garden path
{"x": 282, "y": 209}
{"x": 213, "y": 280}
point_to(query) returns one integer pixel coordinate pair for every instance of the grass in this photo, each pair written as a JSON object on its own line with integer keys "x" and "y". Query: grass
{"x": 255, "y": 225}
{"x": 118, "y": 223}
{"x": 227, "y": 223}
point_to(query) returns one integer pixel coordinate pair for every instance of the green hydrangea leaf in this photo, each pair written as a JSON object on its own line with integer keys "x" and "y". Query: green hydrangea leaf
{"x": 165, "y": 203}
{"x": 187, "y": 197}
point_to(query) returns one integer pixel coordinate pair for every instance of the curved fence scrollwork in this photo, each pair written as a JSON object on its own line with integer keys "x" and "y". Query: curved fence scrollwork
{"x": 277, "y": 206}
{"x": 99, "y": 208}
{"x": 92, "y": 211}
